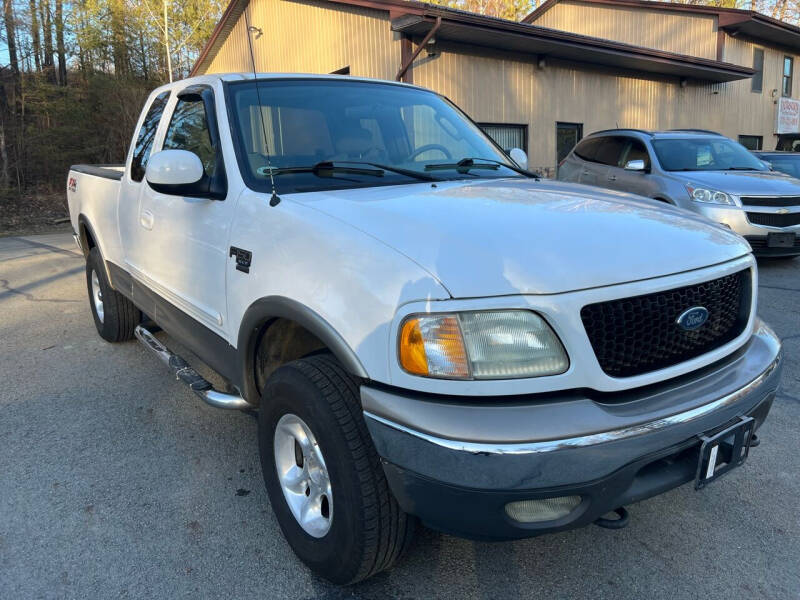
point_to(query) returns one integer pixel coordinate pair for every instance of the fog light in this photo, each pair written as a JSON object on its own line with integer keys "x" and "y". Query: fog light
{"x": 544, "y": 509}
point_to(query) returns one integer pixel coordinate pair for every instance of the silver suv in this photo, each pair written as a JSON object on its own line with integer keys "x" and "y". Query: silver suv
{"x": 698, "y": 170}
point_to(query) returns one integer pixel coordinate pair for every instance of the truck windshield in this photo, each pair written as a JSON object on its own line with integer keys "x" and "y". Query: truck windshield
{"x": 704, "y": 154}
{"x": 328, "y": 134}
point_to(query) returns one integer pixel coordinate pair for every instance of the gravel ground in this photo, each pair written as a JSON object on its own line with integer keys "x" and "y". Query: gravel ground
{"x": 115, "y": 481}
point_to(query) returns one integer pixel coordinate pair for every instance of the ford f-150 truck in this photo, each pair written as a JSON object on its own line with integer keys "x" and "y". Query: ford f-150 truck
{"x": 428, "y": 330}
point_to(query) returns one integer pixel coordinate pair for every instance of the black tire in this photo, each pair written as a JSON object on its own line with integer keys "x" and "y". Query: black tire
{"x": 120, "y": 316}
{"x": 368, "y": 530}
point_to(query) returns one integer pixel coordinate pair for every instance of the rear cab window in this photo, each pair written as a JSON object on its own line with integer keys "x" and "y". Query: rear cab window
{"x": 587, "y": 149}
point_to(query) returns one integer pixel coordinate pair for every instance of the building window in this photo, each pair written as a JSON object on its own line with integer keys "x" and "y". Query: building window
{"x": 757, "y": 81}
{"x": 788, "y": 68}
{"x": 751, "y": 142}
{"x": 507, "y": 136}
{"x": 567, "y": 136}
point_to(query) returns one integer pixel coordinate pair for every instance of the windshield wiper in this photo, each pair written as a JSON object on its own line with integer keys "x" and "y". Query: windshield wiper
{"x": 398, "y": 170}
{"x": 466, "y": 164}
{"x": 326, "y": 168}
{"x": 740, "y": 169}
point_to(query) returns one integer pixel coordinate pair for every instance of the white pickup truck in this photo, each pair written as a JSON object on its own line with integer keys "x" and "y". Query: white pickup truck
{"x": 428, "y": 330}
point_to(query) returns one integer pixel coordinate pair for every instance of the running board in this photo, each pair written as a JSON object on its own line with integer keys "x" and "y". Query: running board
{"x": 182, "y": 371}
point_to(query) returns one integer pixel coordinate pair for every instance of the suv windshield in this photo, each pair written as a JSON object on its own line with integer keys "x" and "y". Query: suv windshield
{"x": 318, "y": 133}
{"x": 704, "y": 154}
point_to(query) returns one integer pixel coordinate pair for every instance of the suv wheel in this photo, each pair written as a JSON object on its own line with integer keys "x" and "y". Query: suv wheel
{"x": 323, "y": 475}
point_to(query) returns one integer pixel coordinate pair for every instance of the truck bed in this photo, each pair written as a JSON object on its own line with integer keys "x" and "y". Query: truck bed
{"x": 106, "y": 171}
{"x": 93, "y": 197}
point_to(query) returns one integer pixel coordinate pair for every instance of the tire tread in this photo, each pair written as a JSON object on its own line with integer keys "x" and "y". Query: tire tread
{"x": 388, "y": 529}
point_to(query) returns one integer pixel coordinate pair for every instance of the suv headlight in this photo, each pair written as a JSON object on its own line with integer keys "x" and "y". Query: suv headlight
{"x": 707, "y": 196}
{"x": 502, "y": 344}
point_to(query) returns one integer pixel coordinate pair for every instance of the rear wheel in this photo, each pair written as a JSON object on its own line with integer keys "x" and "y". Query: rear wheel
{"x": 114, "y": 315}
{"x": 323, "y": 475}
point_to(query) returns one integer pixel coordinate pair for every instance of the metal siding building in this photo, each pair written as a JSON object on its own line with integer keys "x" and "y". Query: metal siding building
{"x": 571, "y": 67}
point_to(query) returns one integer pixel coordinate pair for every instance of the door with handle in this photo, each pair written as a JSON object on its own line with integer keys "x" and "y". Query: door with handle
{"x": 187, "y": 259}
{"x": 146, "y": 219}
{"x": 607, "y": 158}
{"x": 630, "y": 180}
{"x": 133, "y": 222}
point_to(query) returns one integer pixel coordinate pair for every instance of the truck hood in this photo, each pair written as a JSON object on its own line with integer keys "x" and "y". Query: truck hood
{"x": 505, "y": 237}
{"x": 745, "y": 183}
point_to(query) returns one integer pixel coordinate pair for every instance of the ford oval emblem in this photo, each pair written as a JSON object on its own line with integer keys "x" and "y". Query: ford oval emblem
{"x": 692, "y": 318}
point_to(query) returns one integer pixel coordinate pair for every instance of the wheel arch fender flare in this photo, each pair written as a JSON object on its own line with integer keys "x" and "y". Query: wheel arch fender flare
{"x": 84, "y": 227}
{"x": 268, "y": 308}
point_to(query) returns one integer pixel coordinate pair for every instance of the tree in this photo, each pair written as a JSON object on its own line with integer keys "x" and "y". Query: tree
{"x": 36, "y": 41}
{"x": 60, "y": 48}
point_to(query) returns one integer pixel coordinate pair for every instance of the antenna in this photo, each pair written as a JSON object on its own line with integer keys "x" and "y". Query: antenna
{"x": 275, "y": 199}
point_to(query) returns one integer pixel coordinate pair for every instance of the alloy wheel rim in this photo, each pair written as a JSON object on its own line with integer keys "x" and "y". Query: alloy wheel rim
{"x": 303, "y": 475}
{"x": 97, "y": 296}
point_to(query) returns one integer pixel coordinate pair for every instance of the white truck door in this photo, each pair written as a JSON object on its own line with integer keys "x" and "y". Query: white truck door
{"x": 186, "y": 238}
{"x": 128, "y": 209}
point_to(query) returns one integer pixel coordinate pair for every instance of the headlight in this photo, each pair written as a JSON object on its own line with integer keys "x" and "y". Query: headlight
{"x": 709, "y": 196}
{"x": 481, "y": 345}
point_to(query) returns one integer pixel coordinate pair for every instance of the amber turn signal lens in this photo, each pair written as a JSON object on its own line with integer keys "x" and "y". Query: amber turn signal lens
{"x": 412, "y": 349}
{"x": 433, "y": 346}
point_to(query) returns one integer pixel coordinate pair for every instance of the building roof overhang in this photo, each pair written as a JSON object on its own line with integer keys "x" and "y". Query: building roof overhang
{"x": 733, "y": 20}
{"x": 416, "y": 19}
{"x": 509, "y": 36}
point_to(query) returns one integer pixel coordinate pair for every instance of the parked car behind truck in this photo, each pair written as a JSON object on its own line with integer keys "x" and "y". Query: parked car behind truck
{"x": 697, "y": 170}
{"x": 427, "y": 330}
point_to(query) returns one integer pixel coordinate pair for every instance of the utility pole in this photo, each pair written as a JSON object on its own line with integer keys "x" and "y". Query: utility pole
{"x": 166, "y": 41}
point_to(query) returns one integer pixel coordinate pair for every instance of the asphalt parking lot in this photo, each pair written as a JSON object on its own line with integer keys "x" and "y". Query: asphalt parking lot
{"x": 115, "y": 481}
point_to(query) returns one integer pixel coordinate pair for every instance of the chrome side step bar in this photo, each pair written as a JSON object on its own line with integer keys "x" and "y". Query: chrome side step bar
{"x": 182, "y": 371}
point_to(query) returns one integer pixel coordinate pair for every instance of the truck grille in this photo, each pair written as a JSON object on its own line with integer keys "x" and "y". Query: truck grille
{"x": 759, "y": 243}
{"x": 774, "y": 201}
{"x": 635, "y": 335}
{"x": 774, "y": 219}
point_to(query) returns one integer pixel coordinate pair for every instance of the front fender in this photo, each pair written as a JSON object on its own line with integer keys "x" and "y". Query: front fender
{"x": 340, "y": 283}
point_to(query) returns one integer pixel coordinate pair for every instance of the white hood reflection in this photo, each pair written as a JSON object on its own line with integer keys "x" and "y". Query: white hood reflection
{"x": 504, "y": 237}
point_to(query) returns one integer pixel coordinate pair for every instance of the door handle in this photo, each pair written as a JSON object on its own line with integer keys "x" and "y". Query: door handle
{"x": 146, "y": 219}
{"x": 612, "y": 177}
{"x": 586, "y": 173}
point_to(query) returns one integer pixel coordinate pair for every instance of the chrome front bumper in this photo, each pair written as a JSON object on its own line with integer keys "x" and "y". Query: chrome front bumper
{"x": 735, "y": 217}
{"x": 537, "y": 442}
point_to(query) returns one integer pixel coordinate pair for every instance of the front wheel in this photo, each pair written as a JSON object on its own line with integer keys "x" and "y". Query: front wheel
{"x": 323, "y": 475}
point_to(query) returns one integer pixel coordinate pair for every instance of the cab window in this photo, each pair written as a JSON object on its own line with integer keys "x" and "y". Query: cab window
{"x": 610, "y": 151}
{"x": 147, "y": 133}
{"x": 635, "y": 150}
{"x": 587, "y": 149}
{"x": 188, "y": 130}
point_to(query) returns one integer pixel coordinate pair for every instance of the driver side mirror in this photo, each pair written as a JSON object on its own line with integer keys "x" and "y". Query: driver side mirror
{"x": 635, "y": 165}
{"x": 519, "y": 157}
{"x": 178, "y": 173}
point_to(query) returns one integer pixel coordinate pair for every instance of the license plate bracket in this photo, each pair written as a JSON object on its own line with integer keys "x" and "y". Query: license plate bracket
{"x": 780, "y": 239}
{"x": 724, "y": 451}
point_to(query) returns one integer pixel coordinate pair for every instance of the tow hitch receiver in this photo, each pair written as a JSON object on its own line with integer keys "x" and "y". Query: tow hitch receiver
{"x": 618, "y": 523}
